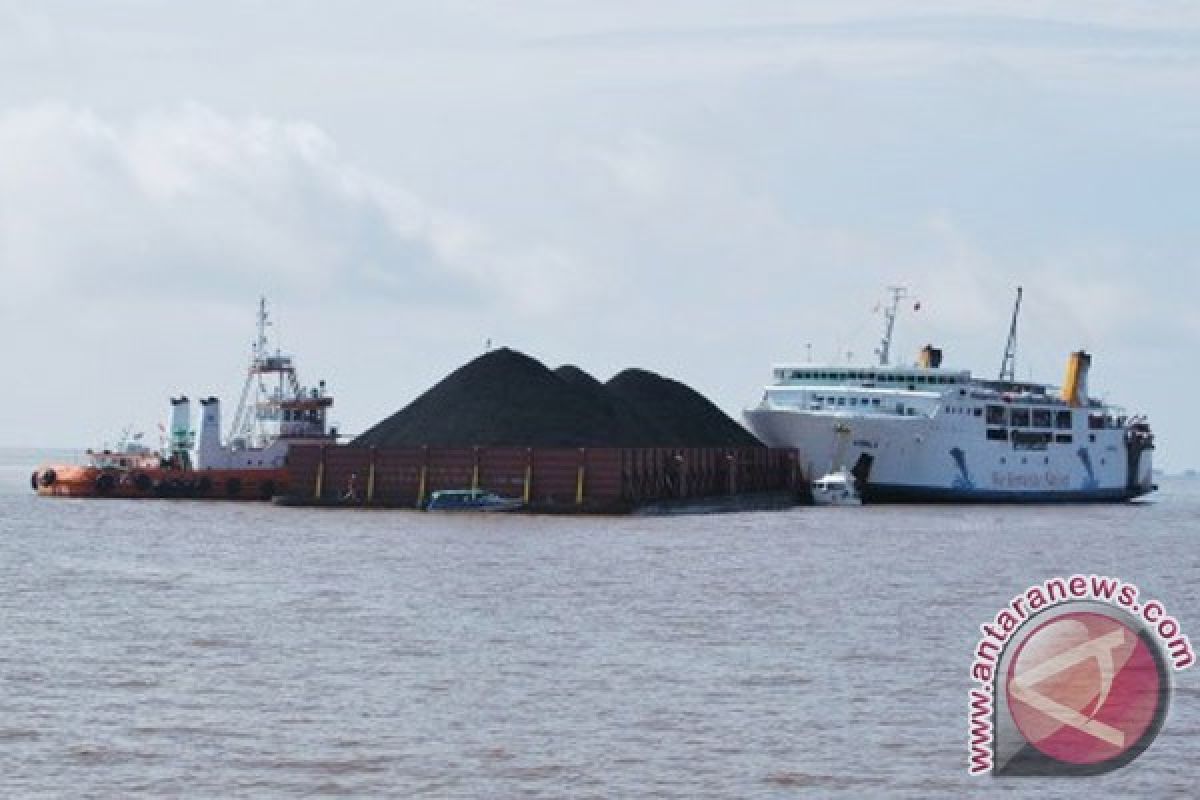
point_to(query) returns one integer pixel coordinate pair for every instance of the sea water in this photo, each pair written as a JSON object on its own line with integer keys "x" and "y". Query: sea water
{"x": 164, "y": 648}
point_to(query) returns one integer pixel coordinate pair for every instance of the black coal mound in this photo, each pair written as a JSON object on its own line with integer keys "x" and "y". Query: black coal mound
{"x": 507, "y": 398}
{"x": 686, "y": 417}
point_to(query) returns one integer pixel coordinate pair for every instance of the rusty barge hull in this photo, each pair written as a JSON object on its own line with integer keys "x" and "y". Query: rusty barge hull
{"x": 548, "y": 480}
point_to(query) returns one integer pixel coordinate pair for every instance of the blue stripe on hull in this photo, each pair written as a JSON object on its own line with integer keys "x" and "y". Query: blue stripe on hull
{"x": 900, "y": 493}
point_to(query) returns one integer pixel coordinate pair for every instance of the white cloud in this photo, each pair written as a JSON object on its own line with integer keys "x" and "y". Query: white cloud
{"x": 192, "y": 201}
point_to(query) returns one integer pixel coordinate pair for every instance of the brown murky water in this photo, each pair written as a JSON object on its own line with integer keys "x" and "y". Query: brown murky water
{"x": 171, "y": 649}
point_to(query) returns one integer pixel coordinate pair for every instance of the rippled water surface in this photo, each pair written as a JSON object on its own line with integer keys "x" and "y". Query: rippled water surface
{"x": 174, "y": 648}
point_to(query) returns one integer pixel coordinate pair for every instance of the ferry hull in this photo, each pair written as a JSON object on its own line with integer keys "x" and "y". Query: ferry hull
{"x": 899, "y": 493}
{"x": 949, "y": 460}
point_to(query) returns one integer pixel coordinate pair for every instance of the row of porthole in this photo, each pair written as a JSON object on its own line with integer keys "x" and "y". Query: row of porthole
{"x": 1045, "y": 460}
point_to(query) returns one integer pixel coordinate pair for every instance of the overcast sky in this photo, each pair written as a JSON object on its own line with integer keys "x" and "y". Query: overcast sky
{"x": 700, "y": 188}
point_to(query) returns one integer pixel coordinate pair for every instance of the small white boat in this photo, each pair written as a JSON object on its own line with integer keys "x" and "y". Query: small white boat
{"x": 471, "y": 500}
{"x": 836, "y": 488}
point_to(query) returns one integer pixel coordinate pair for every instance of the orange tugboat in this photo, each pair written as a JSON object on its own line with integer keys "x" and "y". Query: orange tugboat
{"x": 275, "y": 412}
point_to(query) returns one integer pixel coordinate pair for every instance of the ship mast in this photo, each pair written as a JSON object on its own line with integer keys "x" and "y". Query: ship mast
{"x": 1008, "y": 366}
{"x": 274, "y": 405}
{"x": 889, "y": 313}
{"x": 246, "y": 425}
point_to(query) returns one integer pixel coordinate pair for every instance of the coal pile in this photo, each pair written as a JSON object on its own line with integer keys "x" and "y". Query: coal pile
{"x": 505, "y": 398}
{"x": 685, "y": 417}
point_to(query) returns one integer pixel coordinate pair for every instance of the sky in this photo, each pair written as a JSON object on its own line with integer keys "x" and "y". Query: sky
{"x": 699, "y": 188}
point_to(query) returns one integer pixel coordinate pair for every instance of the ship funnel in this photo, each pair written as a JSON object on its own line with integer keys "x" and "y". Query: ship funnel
{"x": 1074, "y": 391}
{"x": 930, "y": 357}
{"x": 181, "y": 424}
{"x": 208, "y": 452}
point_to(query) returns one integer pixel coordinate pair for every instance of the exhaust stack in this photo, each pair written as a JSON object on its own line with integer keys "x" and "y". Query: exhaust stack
{"x": 209, "y": 453}
{"x": 182, "y": 437}
{"x": 930, "y": 357}
{"x": 1074, "y": 391}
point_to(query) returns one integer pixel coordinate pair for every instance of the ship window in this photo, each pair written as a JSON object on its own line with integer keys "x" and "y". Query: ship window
{"x": 1091, "y": 437}
{"x": 1041, "y": 418}
{"x": 995, "y": 415}
{"x": 899, "y": 408}
{"x": 1030, "y": 440}
{"x": 1062, "y": 420}
{"x": 979, "y": 412}
{"x": 875, "y": 401}
{"x": 997, "y": 434}
{"x": 1020, "y": 416}
{"x": 1062, "y": 438}
{"x": 853, "y": 401}
{"x": 841, "y": 401}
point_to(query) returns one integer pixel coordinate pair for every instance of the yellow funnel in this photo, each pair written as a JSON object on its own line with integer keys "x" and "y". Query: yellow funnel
{"x": 1074, "y": 390}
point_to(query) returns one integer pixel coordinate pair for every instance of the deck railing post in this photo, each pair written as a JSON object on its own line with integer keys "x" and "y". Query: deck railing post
{"x": 579, "y": 476}
{"x": 423, "y": 476}
{"x": 371, "y": 478}
{"x": 319, "y": 485}
{"x": 527, "y": 489}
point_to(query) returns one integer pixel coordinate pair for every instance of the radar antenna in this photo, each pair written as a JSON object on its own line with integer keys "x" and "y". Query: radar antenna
{"x": 1008, "y": 367}
{"x": 889, "y": 314}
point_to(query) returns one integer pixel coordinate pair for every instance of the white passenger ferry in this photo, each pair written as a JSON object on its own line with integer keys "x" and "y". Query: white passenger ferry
{"x": 924, "y": 433}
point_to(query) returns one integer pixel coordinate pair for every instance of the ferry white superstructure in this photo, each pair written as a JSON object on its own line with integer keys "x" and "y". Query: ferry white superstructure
{"x": 924, "y": 433}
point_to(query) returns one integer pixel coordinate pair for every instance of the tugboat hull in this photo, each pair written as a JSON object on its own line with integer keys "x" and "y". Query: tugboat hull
{"x": 214, "y": 484}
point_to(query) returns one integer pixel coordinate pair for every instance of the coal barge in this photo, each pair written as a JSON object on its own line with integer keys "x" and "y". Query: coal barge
{"x": 556, "y": 441}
